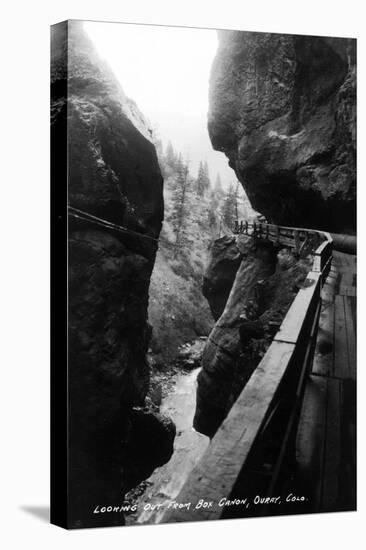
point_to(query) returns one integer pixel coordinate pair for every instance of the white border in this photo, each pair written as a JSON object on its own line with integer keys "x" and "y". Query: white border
{"x": 25, "y": 271}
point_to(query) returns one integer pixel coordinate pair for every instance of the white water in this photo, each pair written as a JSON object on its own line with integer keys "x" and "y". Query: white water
{"x": 189, "y": 446}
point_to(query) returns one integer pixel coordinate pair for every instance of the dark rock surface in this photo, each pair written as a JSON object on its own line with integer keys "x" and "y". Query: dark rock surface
{"x": 216, "y": 379}
{"x": 220, "y": 274}
{"x": 113, "y": 174}
{"x": 143, "y": 453}
{"x": 282, "y": 108}
{"x": 264, "y": 287}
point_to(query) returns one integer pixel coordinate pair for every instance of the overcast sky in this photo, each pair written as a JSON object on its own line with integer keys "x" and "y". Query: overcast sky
{"x": 165, "y": 70}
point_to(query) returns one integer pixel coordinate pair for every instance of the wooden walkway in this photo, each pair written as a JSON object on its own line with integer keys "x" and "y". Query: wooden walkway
{"x": 253, "y": 451}
{"x": 326, "y": 439}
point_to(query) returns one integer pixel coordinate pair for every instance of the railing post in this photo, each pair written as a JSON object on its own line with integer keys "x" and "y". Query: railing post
{"x": 246, "y": 227}
{"x": 297, "y": 241}
{"x": 277, "y": 231}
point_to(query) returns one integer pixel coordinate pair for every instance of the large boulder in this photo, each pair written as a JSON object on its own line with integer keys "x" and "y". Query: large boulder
{"x": 282, "y": 108}
{"x": 113, "y": 173}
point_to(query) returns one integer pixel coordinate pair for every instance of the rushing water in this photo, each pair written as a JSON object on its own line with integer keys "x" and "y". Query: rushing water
{"x": 166, "y": 482}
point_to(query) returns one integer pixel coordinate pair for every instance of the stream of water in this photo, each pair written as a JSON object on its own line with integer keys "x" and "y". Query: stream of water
{"x": 166, "y": 482}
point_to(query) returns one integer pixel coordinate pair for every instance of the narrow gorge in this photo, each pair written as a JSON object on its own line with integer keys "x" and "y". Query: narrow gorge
{"x": 170, "y": 313}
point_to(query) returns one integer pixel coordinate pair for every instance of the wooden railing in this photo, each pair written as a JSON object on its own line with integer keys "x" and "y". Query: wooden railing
{"x": 293, "y": 237}
{"x": 253, "y": 451}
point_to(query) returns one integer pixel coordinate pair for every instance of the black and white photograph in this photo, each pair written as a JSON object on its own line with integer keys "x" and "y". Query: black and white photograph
{"x": 182, "y": 249}
{"x": 204, "y": 238}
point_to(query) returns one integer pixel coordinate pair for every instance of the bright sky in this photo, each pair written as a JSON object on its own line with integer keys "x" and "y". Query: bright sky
{"x": 165, "y": 70}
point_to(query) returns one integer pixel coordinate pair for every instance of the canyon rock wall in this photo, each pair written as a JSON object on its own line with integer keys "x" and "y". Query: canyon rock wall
{"x": 216, "y": 379}
{"x": 224, "y": 262}
{"x": 265, "y": 285}
{"x": 113, "y": 173}
{"x": 282, "y": 108}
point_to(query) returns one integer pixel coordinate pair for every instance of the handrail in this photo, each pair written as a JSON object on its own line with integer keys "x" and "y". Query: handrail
{"x": 237, "y": 460}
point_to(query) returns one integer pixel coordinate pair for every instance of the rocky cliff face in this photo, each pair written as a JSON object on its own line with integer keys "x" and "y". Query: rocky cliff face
{"x": 263, "y": 288}
{"x": 225, "y": 259}
{"x": 282, "y": 108}
{"x": 113, "y": 174}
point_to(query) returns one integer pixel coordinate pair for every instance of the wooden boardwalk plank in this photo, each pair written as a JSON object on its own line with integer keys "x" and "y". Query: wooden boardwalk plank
{"x": 351, "y": 337}
{"x": 353, "y": 302}
{"x": 347, "y": 279}
{"x": 347, "y": 290}
{"x": 324, "y": 417}
{"x": 331, "y": 467}
{"x": 310, "y": 441}
{"x": 347, "y": 478}
{"x": 341, "y": 363}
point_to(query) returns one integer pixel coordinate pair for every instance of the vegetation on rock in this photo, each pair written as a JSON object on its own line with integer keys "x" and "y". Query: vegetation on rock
{"x": 178, "y": 312}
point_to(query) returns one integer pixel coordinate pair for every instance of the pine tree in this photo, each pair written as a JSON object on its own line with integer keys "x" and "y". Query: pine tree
{"x": 170, "y": 156}
{"x": 203, "y": 179}
{"x": 214, "y": 201}
{"x": 211, "y": 216}
{"x": 200, "y": 182}
{"x": 229, "y": 210}
{"x": 236, "y": 201}
{"x": 207, "y": 182}
{"x": 215, "y": 198}
{"x": 180, "y": 202}
{"x": 218, "y": 185}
